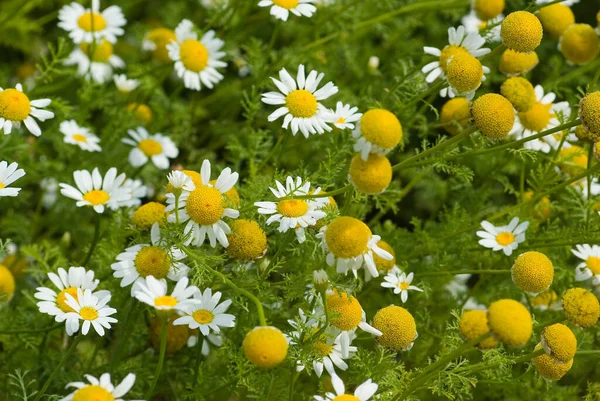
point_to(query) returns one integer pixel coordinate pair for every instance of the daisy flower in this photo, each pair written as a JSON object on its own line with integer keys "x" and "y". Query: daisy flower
{"x": 281, "y": 9}
{"x": 100, "y": 389}
{"x": 87, "y": 25}
{"x": 154, "y": 293}
{"x": 568, "y": 3}
{"x": 16, "y": 108}
{"x": 9, "y": 173}
{"x": 95, "y": 62}
{"x": 80, "y": 136}
{"x": 124, "y": 84}
{"x": 138, "y": 192}
{"x": 143, "y": 260}
{"x": 300, "y": 101}
{"x": 590, "y": 267}
{"x": 473, "y": 24}
{"x": 294, "y": 214}
{"x": 543, "y": 115}
{"x": 204, "y": 208}
{"x": 196, "y": 60}
{"x": 180, "y": 180}
{"x": 459, "y": 41}
{"x": 212, "y": 339}
{"x": 364, "y": 392}
{"x": 92, "y": 309}
{"x": 157, "y": 147}
{"x": 343, "y": 116}
{"x": 505, "y": 238}
{"x": 401, "y": 283}
{"x": 93, "y": 190}
{"x": 206, "y": 314}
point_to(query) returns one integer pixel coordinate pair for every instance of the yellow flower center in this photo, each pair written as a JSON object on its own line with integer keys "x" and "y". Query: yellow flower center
{"x": 301, "y": 103}
{"x": 448, "y": 52}
{"x": 161, "y": 37}
{"x": 372, "y": 176}
{"x": 150, "y": 147}
{"x": 488, "y": 9}
{"x": 537, "y": 118}
{"x": 581, "y": 307}
{"x": 593, "y": 263}
{"x": 247, "y": 240}
{"x": 96, "y": 197}
{"x": 464, "y": 72}
{"x": 519, "y": 92}
{"x": 205, "y": 205}
{"x": 203, "y": 316}
{"x": 265, "y": 346}
{"x": 88, "y": 313}
{"x": 146, "y": 215}
{"x": 404, "y": 285}
{"x": 521, "y": 31}
{"x": 493, "y": 115}
{"x": 7, "y": 284}
{"x": 472, "y": 324}
{"x": 455, "y": 114}
{"x": 515, "y": 63}
{"x": 505, "y": 238}
{"x": 14, "y": 105}
{"x": 194, "y": 55}
{"x": 93, "y": 393}
{"x": 533, "y": 272}
{"x": 346, "y": 397}
{"x": 580, "y": 43}
{"x": 345, "y": 312}
{"x": 61, "y": 298}
{"x": 91, "y": 22}
{"x": 152, "y": 261}
{"x": 340, "y": 120}
{"x": 99, "y": 53}
{"x": 287, "y": 4}
{"x": 510, "y": 322}
{"x": 165, "y": 300}
{"x": 143, "y": 113}
{"x": 321, "y": 348}
{"x": 381, "y": 127}
{"x": 347, "y": 237}
{"x": 79, "y": 138}
{"x": 397, "y": 326}
{"x": 292, "y": 207}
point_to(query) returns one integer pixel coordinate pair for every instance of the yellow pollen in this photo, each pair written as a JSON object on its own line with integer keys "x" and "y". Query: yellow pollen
{"x": 322, "y": 348}
{"x": 150, "y": 147}
{"x": 556, "y": 18}
{"x": 397, "y": 326}
{"x": 346, "y": 397}
{"x": 292, "y": 207}
{"x": 347, "y": 237}
{"x": 340, "y": 120}
{"x": 61, "y": 298}
{"x": 96, "y": 197}
{"x": 91, "y": 22}
{"x": 505, "y": 238}
{"x": 372, "y": 176}
{"x": 80, "y": 138}
{"x": 2, "y": 185}
{"x": 7, "y": 283}
{"x": 287, "y": 4}
{"x": 455, "y": 114}
{"x": 493, "y": 115}
{"x": 579, "y": 43}
{"x": 88, "y": 313}
{"x": 464, "y": 72}
{"x": 146, "y": 215}
{"x": 593, "y": 263}
{"x": 93, "y": 393}
{"x": 205, "y": 205}
{"x": 301, "y": 103}
{"x": 448, "y": 52}
{"x": 152, "y": 261}
{"x": 165, "y": 300}
{"x": 247, "y": 241}
{"x": 521, "y": 31}
{"x": 381, "y": 127}
{"x": 345, "y": 312}
{"x": 101, "y": 53}
{"x": 203, "y": 316}
{"x": 487, "y": 9}
{"x": 514, "y": 63}
{"x": 404, "y": 285}
{"x": 265, "y": 346}
{"x": 537, "y": 118}
{"x": 194, "y": 55}
{"x": 14, "y": 105}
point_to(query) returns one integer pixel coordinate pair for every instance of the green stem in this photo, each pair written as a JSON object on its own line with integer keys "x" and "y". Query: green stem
{"x": 293, "y": 378}
{"x": 432, "y": 90}
{"x": 198, "y": 359}
{"x": 320, "y": 195}
{"x": 588, "y": 352}
{"x": 161, "y": 357}
{"x": 472, "y": 271}
{"x": 58, "y": 367}
{"x": 495, "y": 51}
{"x": 272, "y": 152}
{"x": 478, "y": 367}
{"x": 94, "y": 241}
{"x": 131, "y": 303}
{"x": 43, "y": 330}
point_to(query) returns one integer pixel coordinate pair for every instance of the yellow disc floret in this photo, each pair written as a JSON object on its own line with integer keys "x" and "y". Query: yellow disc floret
{"x": 514, "y": 63}
{"x": 584, "y": 134}
{"x": 487, "y": 9}
{"x": 100, "y": 53}
{"x": 521, "y": 31}
{"x": 146, "y": 215}
{"x": 347, "y": 237}
{"x": 90, "y": 21}
{"x": 519, "y": 92}
{"x": 152, "y": 261}
{"x": 473, "y": 324}
{"x": 247, "y": 241}
{"x": 510, "y": 322}
{"x": 556, "y": 18}
{"x": 455, "y": 114}
{"x": 265, "y": 346}
{"x": 589, "y": 112}
{"x": 493, "y": 115}
{"x": 292, "y": 207}
{"x": 16, "y": 263}
{"x": 448, "y": 53}
{"x": 287, "y": 4}
{"x": 62, "y": 297}
{"x": 301, "y": 103}
{"x": 150, "y": 147}
{"x": 464, "y": 73}
{"x": 96, "y": 197}
{"x": 141, "y": 112}
{"x": 532, "y": 272}
{"x": 579, "y": 43}
{"x": 14, "y": 105}
{"x": 205, "y": 205}
{"x": 543, "y": 209}
{"x": 381, "y": 127}
{"x": 397, "y": 326}
{"x": 544, "y": 300}
{"x": 559, "y": 342}
{"x": 161, "y": 38}
{"x": 573, "y": 160}
{"x": 193, "y": 55}
{"x": 344, "y": 311}
{"x": 581, "y": 307}
{"x": 372, "y": 176}
{"x": 7, "y": 284}
{"x": 548, "y": 368}
{"x": 384, "y": 265}
{"x": 92, "y": 392}
{"x": 177, "y": 336}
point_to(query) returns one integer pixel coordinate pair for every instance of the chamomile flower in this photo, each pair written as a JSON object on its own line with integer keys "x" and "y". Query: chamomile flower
{"x": 459, "y": 41}
{"x": 265, "y": 346}
{"x": 464, "y": 75}
{"x": 513, "y": 63}
{"x": 397, "y": 326}
{"x": 143, "y": 260}
{"x": 89, "y": 24}
{"x": 281, "y": 9}
{"x": 506, "y": 238}
{"x": 510, "y": 322}
{"x": 378, "y": 131}
{"x": 343, "y": 116}
{"x": 196, "y": 61}
{"x": 493, "y": 115}
{"x": 138, "y": 192}
{"x": 364, "y": 392}
{"x": 581, "y": 307}
{"x": 16, "y": 108}
{"x": 124, "y": 84}
{"x": 204, "y": 208}
{"x": 156, "y": 147}
{"x": 7, "y": 284}
{"x": 100, "y": 389}
{"x": 207, "y": 314}
{"x": 521, "y": 31}
{"x": 156, "y": 41}
{"x": 80, "y": 136}
{"x": 153, "y": 292}
{"x": 579, "y": 43}
{"x": 96, "y": 191}
{"x": 400, "y": 283}
{"x": 590, "y": 267}
{"x": 300, "y": 101}
{"x": 92, "y": 309}
{"x": 178, "y": 180}
{"x": 556, "y": 19}
{"x": 95, "y": 62}
{"x": 489, "y": 30}
{"x": 296, "y": 214}
{"x": 247, "y": 240}
{"x": 350, "y": 244}
{"x": 9, "y": 173}
{"x": 542, "y": 116}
